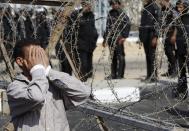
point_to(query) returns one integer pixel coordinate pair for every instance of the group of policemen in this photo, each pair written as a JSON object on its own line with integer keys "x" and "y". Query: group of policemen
{"x": 23, "y": 24}
{"x": 172, "y": 24}
{"x": 80, "y": 37}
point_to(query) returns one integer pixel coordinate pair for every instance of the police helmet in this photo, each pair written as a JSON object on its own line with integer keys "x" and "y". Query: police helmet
{"x": 42, "y": 11}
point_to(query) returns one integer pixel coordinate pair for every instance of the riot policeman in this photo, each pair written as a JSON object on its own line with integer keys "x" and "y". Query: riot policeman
{"x": 148, "y": 34}
{"x": 68, "y": 42}
{"x": 7, "y": 29}
{"x": 168, "y": 28}
{"x": 182, "y": 47}
{"x": 87, "y": 36}
{"x": 43, "y": 29}
{"x": 25, "y": 26}
{"x": 117, "y": 30}
{"x": 81, "y": 38}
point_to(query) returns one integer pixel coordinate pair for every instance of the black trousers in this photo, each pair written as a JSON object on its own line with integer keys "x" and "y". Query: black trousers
{"x": 65, "y": 66}
{"x": 118, "y": 62}
{"x": 183, "y": 60}
{"x": 85, "y": 64}
{"x": 150, "y": 59}
{"x": 182, "y": 80}
{"x": 64, "y": 63}
{"x": 171, "y": 56}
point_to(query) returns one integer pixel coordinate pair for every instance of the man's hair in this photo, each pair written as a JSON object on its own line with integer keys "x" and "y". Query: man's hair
{"x": 18, "y": 49}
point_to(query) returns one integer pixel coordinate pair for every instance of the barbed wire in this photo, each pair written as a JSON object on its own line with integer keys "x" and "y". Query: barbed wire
{"x": 104, "y": 63}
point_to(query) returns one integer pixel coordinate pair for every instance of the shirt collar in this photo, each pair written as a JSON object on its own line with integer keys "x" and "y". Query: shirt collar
{"x": 21, "y": 77}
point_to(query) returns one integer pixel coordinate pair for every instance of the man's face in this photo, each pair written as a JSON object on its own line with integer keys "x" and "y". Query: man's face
{"x": 180, "y": 8}
{"x": 115, "y": 6}
{"x": 87, "y": 7}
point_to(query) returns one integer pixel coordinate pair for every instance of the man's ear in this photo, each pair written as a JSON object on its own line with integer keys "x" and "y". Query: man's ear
{"x": 20, "y": 61}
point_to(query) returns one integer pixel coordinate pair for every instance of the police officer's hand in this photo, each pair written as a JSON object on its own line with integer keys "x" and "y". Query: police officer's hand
{"x": 121, "y": 41}
{"x": 104, "y": 44}
{"x": 173, "y": 37}
{"x": 154, "y": 42}
{"x": 173, "y": 40}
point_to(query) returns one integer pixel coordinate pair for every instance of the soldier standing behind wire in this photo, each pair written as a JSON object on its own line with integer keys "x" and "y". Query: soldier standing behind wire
{"x": 117, "y": 30}
{"x": 25, "y": 26}
{"x": 68, "y": 42}
{"x": 7, "y": 30}
{"x": 86, "y": 38}
{"x": 81, "y": 37}
{"x": 182, "y": 48}
{"x": 168, "y": 26}
{"x": 148, "y": 35}
{"x": 21, "y": 25}
{"x": 43, "y": 29}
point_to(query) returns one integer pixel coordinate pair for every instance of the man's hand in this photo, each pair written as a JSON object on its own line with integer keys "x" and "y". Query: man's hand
{"x": 154, "y": 42}
{"x": 33, "y": 57}
{"x": 36, "y": 56}
{"x": 44, "y": 57}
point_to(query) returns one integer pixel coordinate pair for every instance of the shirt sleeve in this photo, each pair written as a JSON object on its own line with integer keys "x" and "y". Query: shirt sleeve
{"x": 36, "y": 67}
{"x": 73, "y": 89}
{"x": 24, "y": 97}
{"x": 105, "y": 35}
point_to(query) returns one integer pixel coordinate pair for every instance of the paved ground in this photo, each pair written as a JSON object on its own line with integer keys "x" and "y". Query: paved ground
{"x": 154, "y": 97}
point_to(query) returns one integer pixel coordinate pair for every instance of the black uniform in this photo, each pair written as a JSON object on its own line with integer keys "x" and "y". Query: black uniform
{"x": 25, "y": 27}
{"x": 167, "y": 21}
{"x": 147, "y": 31}
{"x": 118, "y": 27}
{"x": 182, "y": 50}
{"x": 7, "y": 29}
{"x": 80, "y": 38}
{"x": 21, "y": 28}
{"x": 9, "y": 34}
{"x": 64, "y": 63}
{"x": 43, "y": 29}
{"x": 87, "y": 38}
